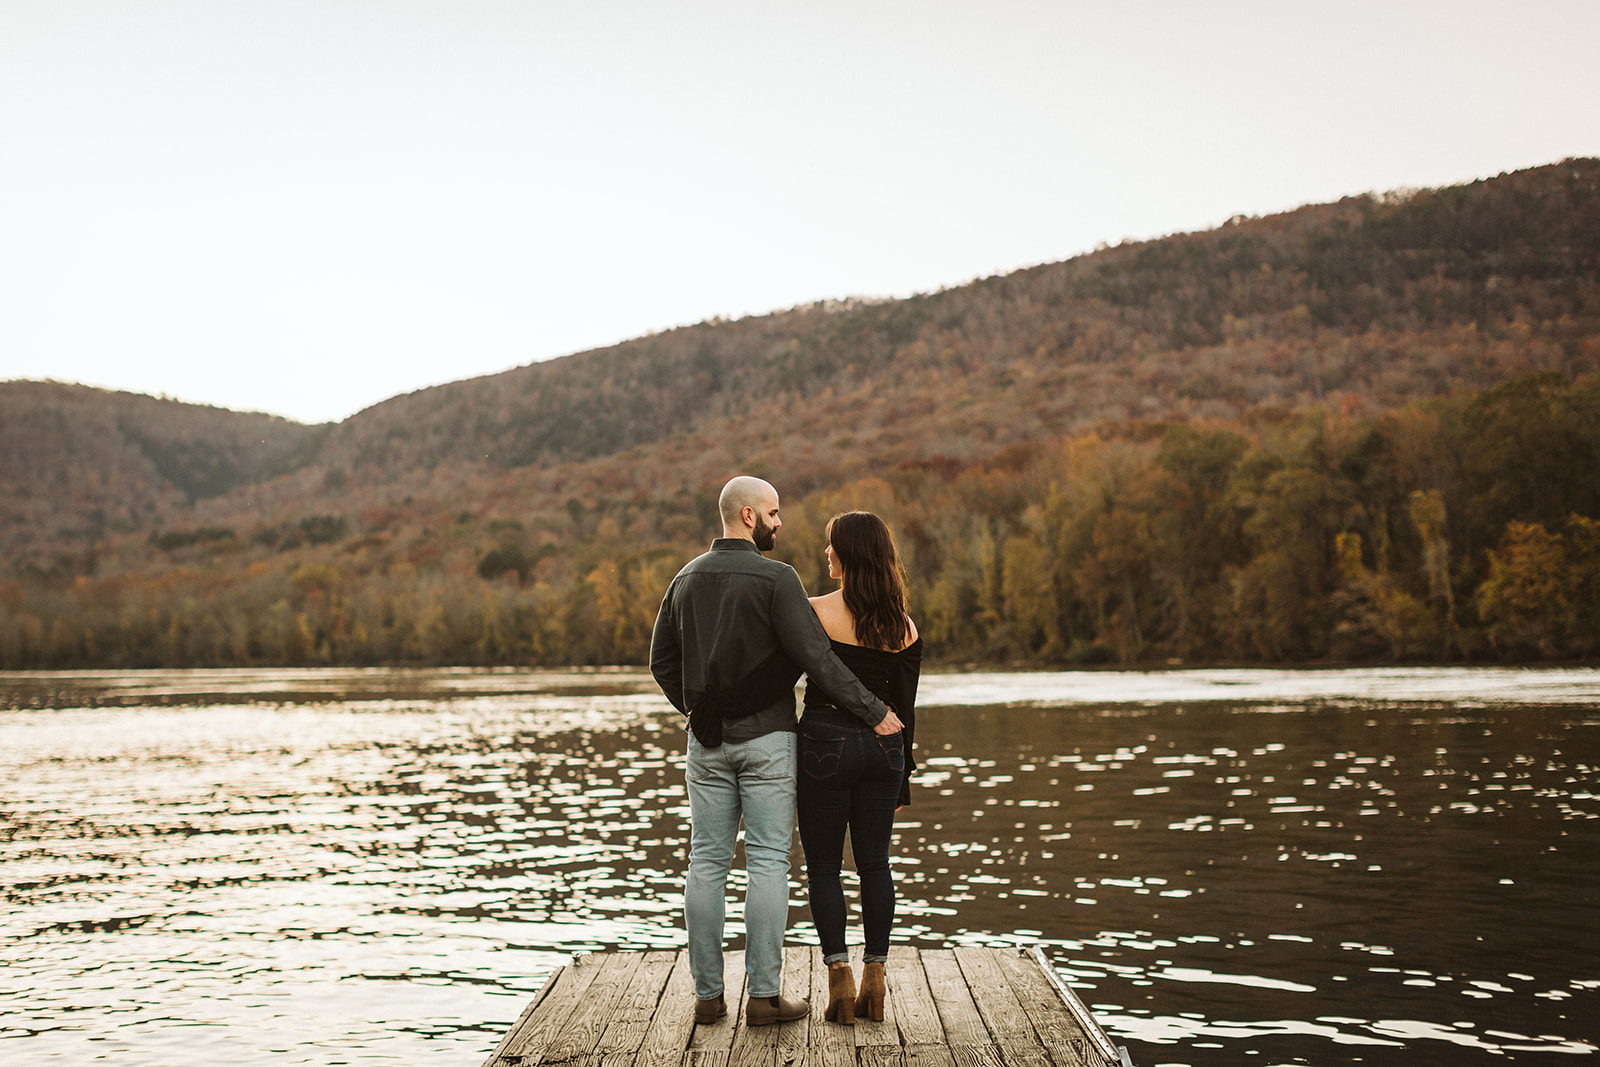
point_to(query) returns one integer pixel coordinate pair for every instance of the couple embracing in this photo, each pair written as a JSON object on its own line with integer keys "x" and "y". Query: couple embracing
{"x": 734, "y": 633}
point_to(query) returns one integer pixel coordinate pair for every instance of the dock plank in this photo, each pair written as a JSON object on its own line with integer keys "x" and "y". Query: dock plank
{"x": 1016, "y": 1055}
{"x": 983, "y": 1022}
{"x": 793, "y": 1039}
{"x": 1057, "y": 1027}
{"x": 830, "y": 1045}
{"x": 876, "y": 1034}
{"x": 526, "y": 1044}
{"x": 880, "y": 1056}
{"x": 930, "y": 1054}
{"x": 668, "y": 1034}
{"x": 987, "y": 1056}
{"x": 966, "y": 1007}
{"x": 580, "y": 1034}
{"x": 959, "y": 1014}
{"x": 998, "y": 1006}
{"x": 713, "y": 1039}
{"x": 914, "y": 1010}
{"x": 778, "y": 1044}
{"x": 625, "y": 1033}
{"x": 522, "y": 1020}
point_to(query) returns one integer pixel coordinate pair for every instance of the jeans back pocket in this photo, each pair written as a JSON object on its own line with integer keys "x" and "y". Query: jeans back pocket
{"x": 893, "y": 747}
{"x": 821, "y": 756}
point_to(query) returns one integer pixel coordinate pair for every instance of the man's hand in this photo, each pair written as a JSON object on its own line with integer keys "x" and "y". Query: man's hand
{"x": 890, "y": 724}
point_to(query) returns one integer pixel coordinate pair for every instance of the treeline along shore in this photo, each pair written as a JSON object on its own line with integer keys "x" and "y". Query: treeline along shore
{"x": 1365, "y": 432}
{"x": 1463, "y": 529}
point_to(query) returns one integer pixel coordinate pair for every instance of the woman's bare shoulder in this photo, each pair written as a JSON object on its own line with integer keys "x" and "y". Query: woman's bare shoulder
{"x": 835, "y": 616}
{"x": 911, "y": 633}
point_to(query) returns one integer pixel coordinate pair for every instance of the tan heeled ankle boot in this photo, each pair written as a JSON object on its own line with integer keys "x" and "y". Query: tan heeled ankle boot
{"x": 869, "y": 1002}
{"x": 841, "y": 995}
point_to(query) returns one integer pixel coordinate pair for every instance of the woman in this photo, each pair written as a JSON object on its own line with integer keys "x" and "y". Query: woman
{"x": 850, "y": 776}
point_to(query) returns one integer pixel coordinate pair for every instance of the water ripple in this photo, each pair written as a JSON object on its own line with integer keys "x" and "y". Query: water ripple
{"x": 317, "y": 867}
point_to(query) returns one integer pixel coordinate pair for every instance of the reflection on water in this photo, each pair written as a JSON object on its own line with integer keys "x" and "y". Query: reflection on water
{"x": 379, "y": 867}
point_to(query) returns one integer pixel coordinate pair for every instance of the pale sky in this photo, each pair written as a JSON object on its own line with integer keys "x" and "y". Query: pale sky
{"x": 308, "y": 206}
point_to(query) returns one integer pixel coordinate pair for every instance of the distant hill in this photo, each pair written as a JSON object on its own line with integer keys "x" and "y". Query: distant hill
{"x": 1380, "y": 299}
{"x": 1366, "y": 307}
{"x": 78, "y": 463}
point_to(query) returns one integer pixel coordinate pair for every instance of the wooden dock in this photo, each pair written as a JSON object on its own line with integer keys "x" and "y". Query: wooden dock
{"x": 972, "y": 1007}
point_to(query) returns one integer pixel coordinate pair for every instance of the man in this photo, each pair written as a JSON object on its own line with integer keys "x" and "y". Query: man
{"x": 734, "y": 632}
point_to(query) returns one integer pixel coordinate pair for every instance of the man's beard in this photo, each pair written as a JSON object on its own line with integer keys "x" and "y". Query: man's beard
{"x": 763, "y": 535}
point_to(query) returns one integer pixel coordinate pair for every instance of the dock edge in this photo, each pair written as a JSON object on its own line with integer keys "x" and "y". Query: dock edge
{"x": 1111, "y": 1050}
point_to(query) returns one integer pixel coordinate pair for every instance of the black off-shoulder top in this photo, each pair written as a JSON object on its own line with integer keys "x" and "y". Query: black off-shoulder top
{"x": 889, "y": 676}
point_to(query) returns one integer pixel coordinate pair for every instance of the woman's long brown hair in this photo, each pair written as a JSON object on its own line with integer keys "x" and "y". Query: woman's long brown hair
{"x": 874, "y": 580}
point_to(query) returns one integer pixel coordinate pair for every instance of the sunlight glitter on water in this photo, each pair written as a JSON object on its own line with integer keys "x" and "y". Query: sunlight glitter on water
{"x": 1464, "y": 686}
{"x": 303, "y": 869}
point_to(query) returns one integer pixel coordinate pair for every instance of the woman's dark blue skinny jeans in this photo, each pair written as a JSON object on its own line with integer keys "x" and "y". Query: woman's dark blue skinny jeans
{"x": 849, "y": 779}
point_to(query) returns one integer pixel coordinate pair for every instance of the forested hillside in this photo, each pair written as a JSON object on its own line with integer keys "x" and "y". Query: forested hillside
{"x": 1365, "y": 431}
{"x": 1378, "y": 301}
{"x": 79, "y": 464}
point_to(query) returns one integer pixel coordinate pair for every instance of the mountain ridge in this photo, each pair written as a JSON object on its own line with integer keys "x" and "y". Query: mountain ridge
{"x": 1357, "y": 309}
{"x": 1199, "y": 293}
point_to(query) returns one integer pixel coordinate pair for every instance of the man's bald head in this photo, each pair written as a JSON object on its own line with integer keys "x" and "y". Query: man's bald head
{"x": 747, "y": 492}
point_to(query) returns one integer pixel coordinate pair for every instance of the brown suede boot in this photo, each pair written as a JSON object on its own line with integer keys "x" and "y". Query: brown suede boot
{"x": 764, "y": 1011}
{"x": 869, "y": 1002}
{"x": 841, "y": 995}
{"x": 709, "y": 1011}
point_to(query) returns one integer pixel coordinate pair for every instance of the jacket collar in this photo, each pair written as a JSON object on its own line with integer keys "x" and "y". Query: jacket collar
{"x": 734, "y": 544}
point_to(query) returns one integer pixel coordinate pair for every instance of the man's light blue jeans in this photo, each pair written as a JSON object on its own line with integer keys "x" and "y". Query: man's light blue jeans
{"x": 754, "y": 779}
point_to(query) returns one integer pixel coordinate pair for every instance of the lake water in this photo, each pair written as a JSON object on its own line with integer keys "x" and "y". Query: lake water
{"x": 380, "y": 867}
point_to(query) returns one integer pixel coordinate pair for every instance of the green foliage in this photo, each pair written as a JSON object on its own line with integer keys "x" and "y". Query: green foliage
{"x": 323, "y": 529}
{"x": 196, "y": 468}
{"x": 1534, "y": 454}
{"x": 504, "y": 559}
{"x": 171, "y": 540}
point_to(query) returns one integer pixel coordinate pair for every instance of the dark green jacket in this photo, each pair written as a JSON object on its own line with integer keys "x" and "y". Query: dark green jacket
{"x": 725, "y": 616}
